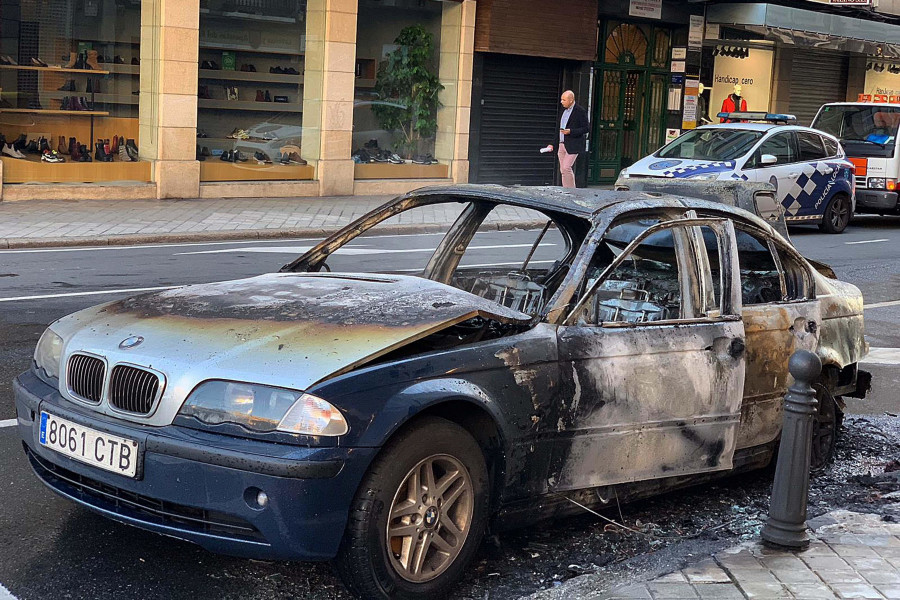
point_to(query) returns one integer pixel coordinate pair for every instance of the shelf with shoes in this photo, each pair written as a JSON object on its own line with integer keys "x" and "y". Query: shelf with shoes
{"x": 53, "y": 69}
{"x": 52, "y": 111}
{"x": 97, "y": 98}
{"x": 122, "y": 69}
{"x": 282, "y": 107}
{"x": 223, "y": 75}
{"x": 233, "y": 14}
{"x": 239, "y": 48}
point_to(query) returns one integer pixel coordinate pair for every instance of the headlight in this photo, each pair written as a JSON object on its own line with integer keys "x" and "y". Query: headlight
{"x": 704, "y": 176}
{"x": 264, "y": 409}
{"x": 47, "y": 356}
{"x": 876, "y": 183}
{"x": 623, "y": 173}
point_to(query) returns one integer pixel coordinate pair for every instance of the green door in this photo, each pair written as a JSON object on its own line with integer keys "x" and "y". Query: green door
{"x": 629, "y": 99}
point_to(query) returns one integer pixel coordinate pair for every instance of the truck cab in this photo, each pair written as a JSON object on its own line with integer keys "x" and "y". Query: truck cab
{"x": 868, "y": 132}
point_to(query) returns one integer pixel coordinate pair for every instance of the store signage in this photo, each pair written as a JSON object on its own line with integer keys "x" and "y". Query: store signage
{"x": 713, "y": 30}
{"x": 882, "y": 83}
{"x": 648, "y": 9}
{"x": 695, "y": 32}
{"x": 691, "y": 92}
{"x": 671, "y": 134}
{"x": 753, "y": 73}
{"x": 678, "y": 78}
{"x": 679, "y": 53}
{"x": 678, "y": 66}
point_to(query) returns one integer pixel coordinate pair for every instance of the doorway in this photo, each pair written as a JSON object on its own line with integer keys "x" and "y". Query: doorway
{"x": 629, "y": 98}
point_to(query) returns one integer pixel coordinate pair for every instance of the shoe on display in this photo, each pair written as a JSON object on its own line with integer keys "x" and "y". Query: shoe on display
{"x": 123, "y": 154}
{"x": 295, "y": 159}
{"x": 200, "y": 154}
{"x": 114, "y": 146}
{"x": 32, "y": 147}
{"x": 276, "y": 70}
{"x": 20, "y": 142}
{"x": 201, "y": 133}
{"x": 66, "y": 104}
{"x": 203, "y": 92}
{"x": 89, "y": 88}
{"x": 73, "y": 147}
{"x": 259, "y": 96}
{"x": 52, "y": 157}
{"x": 85, "y": 153}
{"x": 396, "y": 159}
{"x": 85, "y": 104}
{"x": 35, "y": 103}
{"x": 107, "y": 151}
{"x": 118, "y": 60}
{"x": 5, "y": 59}
{"x": 10, "y": 151}
{"x": 227, "y": 156}
{"x": 68, "y": 86}
{"x": 239, "y": 156}
{"x": 91, "y": 60}
{"x": 44, "y": 145}
{"x": 80, "y": 62}
{"x": 69, "y": 61}
{"x": 262, "y": 158}
{"x": 268, "y": 97}
{"x": 373, "y": 143}
{"x": 382, "y": 156}
{"x": 62, "y": 148}
{"x": 209, "y": 65}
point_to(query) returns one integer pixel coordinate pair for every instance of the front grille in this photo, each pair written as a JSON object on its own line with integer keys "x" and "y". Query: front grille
{"x": 860, "y": 181}
{"x": 133, "y": 390}
{"x": 143, "y": 508}
{"x": 85, "y": 376}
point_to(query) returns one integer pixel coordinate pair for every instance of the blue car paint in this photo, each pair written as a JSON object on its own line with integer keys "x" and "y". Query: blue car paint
{"x": 828, "y": 177}
{"x": 304, "y": 520}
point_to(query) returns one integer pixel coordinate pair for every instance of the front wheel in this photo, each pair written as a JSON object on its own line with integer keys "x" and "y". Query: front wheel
{"x": 837, "y": 214}
{"x": 826, "y": 428}
{"x": 418, "y": 516}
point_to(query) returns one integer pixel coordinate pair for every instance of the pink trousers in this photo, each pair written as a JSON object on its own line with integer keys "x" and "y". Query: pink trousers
{"x": 566, "y": 162}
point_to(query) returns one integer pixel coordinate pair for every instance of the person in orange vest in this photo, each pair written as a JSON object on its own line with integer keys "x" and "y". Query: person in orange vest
{"x": 733, "y": 103}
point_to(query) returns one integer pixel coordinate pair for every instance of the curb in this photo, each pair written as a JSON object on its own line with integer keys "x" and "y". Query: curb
{"x": 133, "y": 239}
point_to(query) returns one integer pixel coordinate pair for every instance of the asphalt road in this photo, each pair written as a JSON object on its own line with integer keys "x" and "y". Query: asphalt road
{"x": 50, "y": 548}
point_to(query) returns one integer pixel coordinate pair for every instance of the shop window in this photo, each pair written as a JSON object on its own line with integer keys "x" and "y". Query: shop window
{"x": 405, "y": 89}
{"x": 69, "y": 91}
{"x": 256, "y": 120}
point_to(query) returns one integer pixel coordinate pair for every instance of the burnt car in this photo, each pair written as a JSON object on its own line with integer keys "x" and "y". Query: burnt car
{"x": 386, "y": 420}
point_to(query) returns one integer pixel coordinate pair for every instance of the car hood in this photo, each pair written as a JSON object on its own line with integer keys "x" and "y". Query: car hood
{"x": 286, "y": 329}
{"x": 678, "y": 168}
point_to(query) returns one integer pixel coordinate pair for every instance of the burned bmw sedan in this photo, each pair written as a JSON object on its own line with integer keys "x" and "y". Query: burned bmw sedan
{"x": 384, "y": 421}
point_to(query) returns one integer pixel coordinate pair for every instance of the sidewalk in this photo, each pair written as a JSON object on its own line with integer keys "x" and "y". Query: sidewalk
{"x": 38, "y": 223}
{"x": 852, "y": 555}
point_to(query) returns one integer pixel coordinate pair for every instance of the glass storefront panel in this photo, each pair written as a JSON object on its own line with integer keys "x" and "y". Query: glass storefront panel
{"x": 251, "y": 95}
{"x": 407, "y": 67}
{"x": 69, "y": 91}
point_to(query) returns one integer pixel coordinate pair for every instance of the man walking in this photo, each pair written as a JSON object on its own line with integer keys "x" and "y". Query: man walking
{"x": 573, "y": 126}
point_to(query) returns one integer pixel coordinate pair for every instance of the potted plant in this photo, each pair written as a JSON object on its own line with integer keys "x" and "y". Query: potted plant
{"x": 408, "y": 90}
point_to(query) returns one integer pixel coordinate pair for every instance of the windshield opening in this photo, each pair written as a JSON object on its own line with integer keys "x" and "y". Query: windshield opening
{"x": 863, "y": 130}
{"x": 711, "y": 144}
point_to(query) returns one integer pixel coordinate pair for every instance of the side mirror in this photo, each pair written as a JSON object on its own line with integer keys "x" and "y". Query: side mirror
{"x": 768, "y": 159}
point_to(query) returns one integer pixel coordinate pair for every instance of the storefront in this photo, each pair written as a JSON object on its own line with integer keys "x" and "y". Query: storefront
{"x": 816, "y": 57}
{"x": 237, "y": 98}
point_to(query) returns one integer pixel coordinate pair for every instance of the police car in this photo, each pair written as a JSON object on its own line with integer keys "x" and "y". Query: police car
{"x": 813, "y": 179}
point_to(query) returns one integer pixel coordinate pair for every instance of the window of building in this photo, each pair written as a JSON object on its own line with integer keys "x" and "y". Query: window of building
{"x": 255, "y": 115}
{"x": 69, "y": 91}
{"x": 407, "y": 66}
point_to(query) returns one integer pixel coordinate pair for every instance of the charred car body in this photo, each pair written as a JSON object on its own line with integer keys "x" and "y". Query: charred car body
{"x": 384, "y": 420}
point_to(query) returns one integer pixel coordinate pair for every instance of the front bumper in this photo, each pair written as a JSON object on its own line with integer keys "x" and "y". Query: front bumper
{"x": 875, "y": 201}
{"x": 199, "y": 486}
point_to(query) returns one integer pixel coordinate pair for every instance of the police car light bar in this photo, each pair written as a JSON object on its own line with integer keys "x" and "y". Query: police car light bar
{"x": 752, "y": 115}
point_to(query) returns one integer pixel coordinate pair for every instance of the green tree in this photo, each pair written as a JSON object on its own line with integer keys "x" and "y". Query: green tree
{"x": 408, "y": 90}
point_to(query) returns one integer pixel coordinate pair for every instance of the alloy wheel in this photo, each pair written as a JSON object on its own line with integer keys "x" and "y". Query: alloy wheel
{"x": 430, "y": 518}
{"x": 839, "y": 215}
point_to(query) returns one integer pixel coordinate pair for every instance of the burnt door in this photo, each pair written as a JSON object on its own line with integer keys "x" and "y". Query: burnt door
{"x": 652, "y": 369}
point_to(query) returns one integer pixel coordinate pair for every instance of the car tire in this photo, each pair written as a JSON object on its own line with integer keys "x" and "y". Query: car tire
{"x": 373, "y": 564}
{"x": 837, "y": 214}
{"x": 826, "y": 428}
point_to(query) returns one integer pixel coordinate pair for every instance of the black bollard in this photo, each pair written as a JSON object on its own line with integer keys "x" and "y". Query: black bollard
{"x": 786, "y": 525}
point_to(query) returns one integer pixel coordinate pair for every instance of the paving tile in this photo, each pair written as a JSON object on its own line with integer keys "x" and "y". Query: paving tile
{"x": 892, "y": 592}
{"x": 719, "y": 591}
{"x": 706, "y": 571}
{"x": 817, "y": 548}
{"x": 890, "y": 576}
{"x": 764, "y": 591}
{"x": 633, "y": 592}
{"x": 840, "y": 576}
{"x": 676, "y": 577}
{"x": 810, "y": 591}
{"x": 852, "y": 550}
{"x": 803, "y": 575}
{"x": 820, "y": 563}
{"x": 862, "y": 563}
{"x": 749, "y": 576}
{"x": 670, "y": 591}
{"x": 789, "y": 561}
{"x": 856, "y": 590}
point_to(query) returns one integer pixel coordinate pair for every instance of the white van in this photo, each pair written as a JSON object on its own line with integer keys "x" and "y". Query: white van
{"x": 868, "y": 133}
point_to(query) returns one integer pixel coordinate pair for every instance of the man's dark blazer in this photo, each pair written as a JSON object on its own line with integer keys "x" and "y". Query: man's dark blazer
{"x": 578, "y": 126}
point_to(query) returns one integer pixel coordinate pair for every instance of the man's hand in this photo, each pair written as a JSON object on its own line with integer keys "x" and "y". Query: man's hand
{"x": 566, "y": 131}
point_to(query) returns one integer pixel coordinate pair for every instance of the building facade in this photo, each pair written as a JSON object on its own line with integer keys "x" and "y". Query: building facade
{"x": 233, "y": 98}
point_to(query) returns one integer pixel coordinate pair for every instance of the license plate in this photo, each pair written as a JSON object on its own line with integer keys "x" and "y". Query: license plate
{"x": 96, "y": 448}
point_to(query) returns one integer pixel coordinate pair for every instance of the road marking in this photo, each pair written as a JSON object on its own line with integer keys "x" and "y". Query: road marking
{"x": 347, "y": 251}
{"x": 4, "y": 594}
{"x": 882, "y": 356}
{"x": 867, "y": 242}
{"x": 6, "y": 423}
{"x": 504, "y": 264}
{"x": 881, "y": 304}
{"x": 73, "y": 294}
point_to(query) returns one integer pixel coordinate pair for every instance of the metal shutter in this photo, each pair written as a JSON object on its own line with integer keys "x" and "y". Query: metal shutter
{"x": 519, "y": 109}
{"x": 816, "y": 78}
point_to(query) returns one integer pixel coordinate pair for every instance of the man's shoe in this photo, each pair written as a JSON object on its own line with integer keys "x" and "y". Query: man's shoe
{"x": 132, "y": 149}
{"x": 262, "y": 158}
{"x": 259, "y": 96}
{"x": 268, "y": 97}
